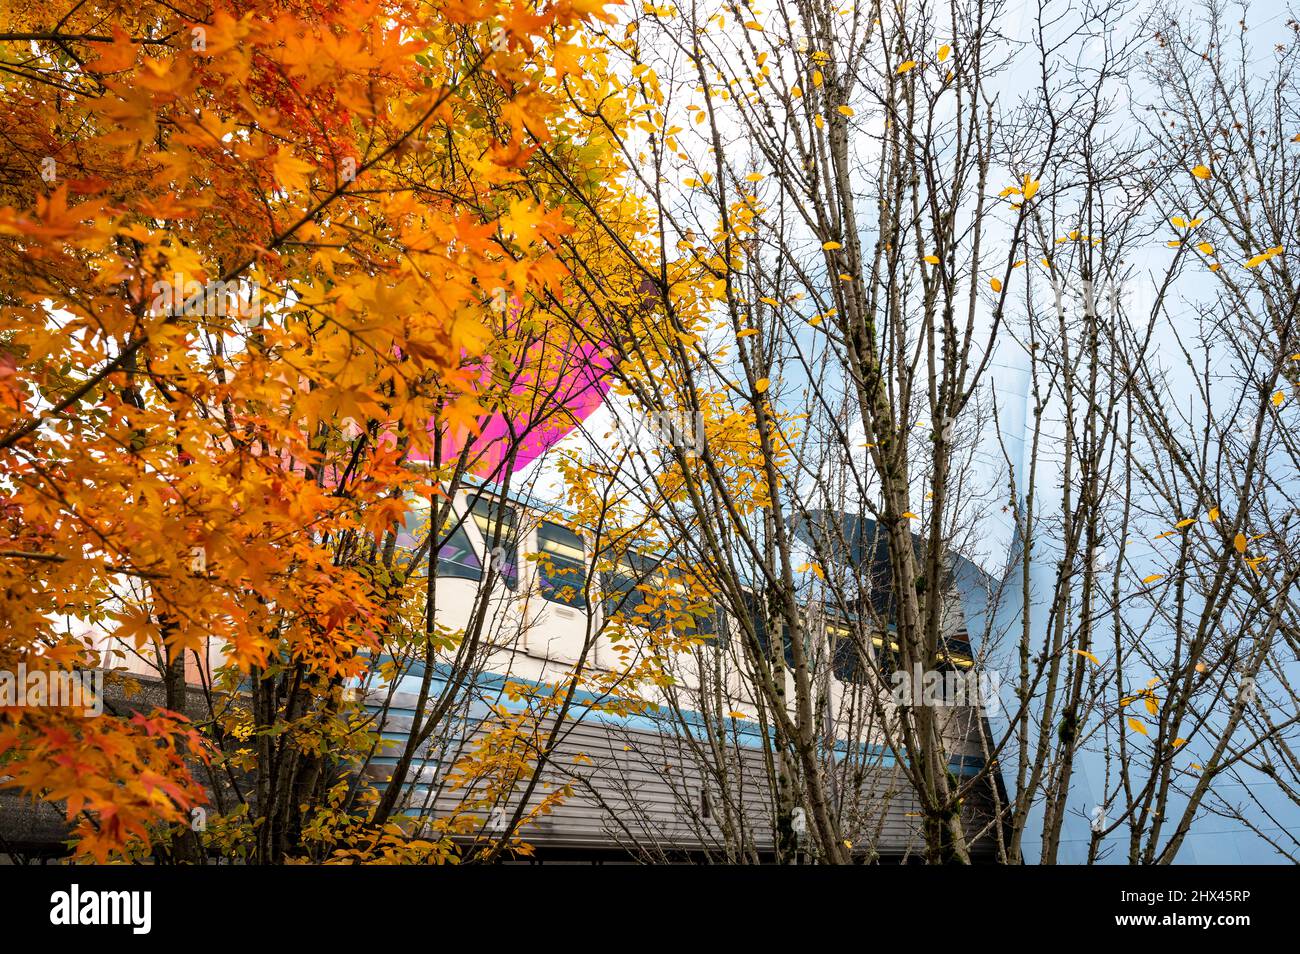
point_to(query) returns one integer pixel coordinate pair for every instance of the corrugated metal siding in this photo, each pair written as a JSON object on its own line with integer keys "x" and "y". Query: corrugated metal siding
{"x": 643, "y": 792}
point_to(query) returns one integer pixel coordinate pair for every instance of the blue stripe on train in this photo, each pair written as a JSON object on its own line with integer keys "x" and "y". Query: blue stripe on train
{"x": 492, "y": 688}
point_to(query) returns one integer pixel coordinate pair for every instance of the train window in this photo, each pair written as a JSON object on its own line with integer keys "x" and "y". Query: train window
{"x": 754, "y": 606}
{"x": 624, "y": 600}
{"x": 703, "y": 616}
{"x": 456, "y": 558}
{"x": 411, "y": 534}
{"x": 956, "y": 652}
{"x": 712, "y": 628}
{"x": 455, "y": 555}
{"x": 846, "y": 656}
{"x": 620, "y": 587}
{"x": 496, "y": 524}
{"x": 887, "y": 657}
{"x": 562, "y": 566}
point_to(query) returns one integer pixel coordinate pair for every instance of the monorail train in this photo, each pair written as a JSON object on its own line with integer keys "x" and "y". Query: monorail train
{"x": 686, "y": 772}
{"x": 682, "y": 770}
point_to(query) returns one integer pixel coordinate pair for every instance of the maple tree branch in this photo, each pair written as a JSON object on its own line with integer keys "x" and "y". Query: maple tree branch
{"x": 285, "y": 235}
{"x": 30, "y": 555}
{"x": 86, "y": 37}
{"x": 18, "y": 433}
{"x": 57, "y": 558}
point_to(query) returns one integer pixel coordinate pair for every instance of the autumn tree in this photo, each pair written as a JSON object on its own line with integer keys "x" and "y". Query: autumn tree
{"x": 891, "y": 281}
{"x": 249, "y": 253}
{"x": 922, "y": 323}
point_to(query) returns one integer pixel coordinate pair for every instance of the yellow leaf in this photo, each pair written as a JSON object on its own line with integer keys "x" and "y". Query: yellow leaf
{"x": 1201, "y": 172}
{"x": 1179, "y": 742}
{"x": 995, "y": 284}
{"x": 1088, "y": 656}
{"x": 1213, "y": 515}
{"x": 1152, "y": 706}
{"x": 291, "y": 172}
{"x": 817, "y": 77}
{"x": 761, "y": 385}
{"x": 845, "y": 110}
{"x": 1278, "y": 398}
{"x": 904, "y": 67}
{"x": 831, "y": 246}
{"x": 909, "y": 515}
{"x": 1153, "y": 577}
{"x": 944, "y": 51}
{"x": 1185, "y": 523}
{"x": 1263, "y": 257}
{"x": 932, "y": 259}
{"x": 1178, "y": 222}
{"x": 1239, "y": 543}
{"x": 1030, "y": 187}
{"x": 1206, "y": 248}
{"x": 754, "y": 177}
{"x": 737, "y": 714}
{"x": 747, "y": 333}
{"x": 1136, "y": 725}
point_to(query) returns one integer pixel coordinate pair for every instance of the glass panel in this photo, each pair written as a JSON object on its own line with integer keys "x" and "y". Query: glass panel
{"x": 752, "y": 602}
{"x": 709, "y": 628}
{"x": 456, "y": 558}
{"x": 562, "y": 569}
{"x": 620, "y": 592}
{"x": 846, "y": 658}
{"x": 956, "y": 651}
{"x": 887, "y": 657}
{"x": 415, "y": 528}
{"x": 705, "y": 625}
{"x": 621, "y": 596}
{"x": 496, "y": 524}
